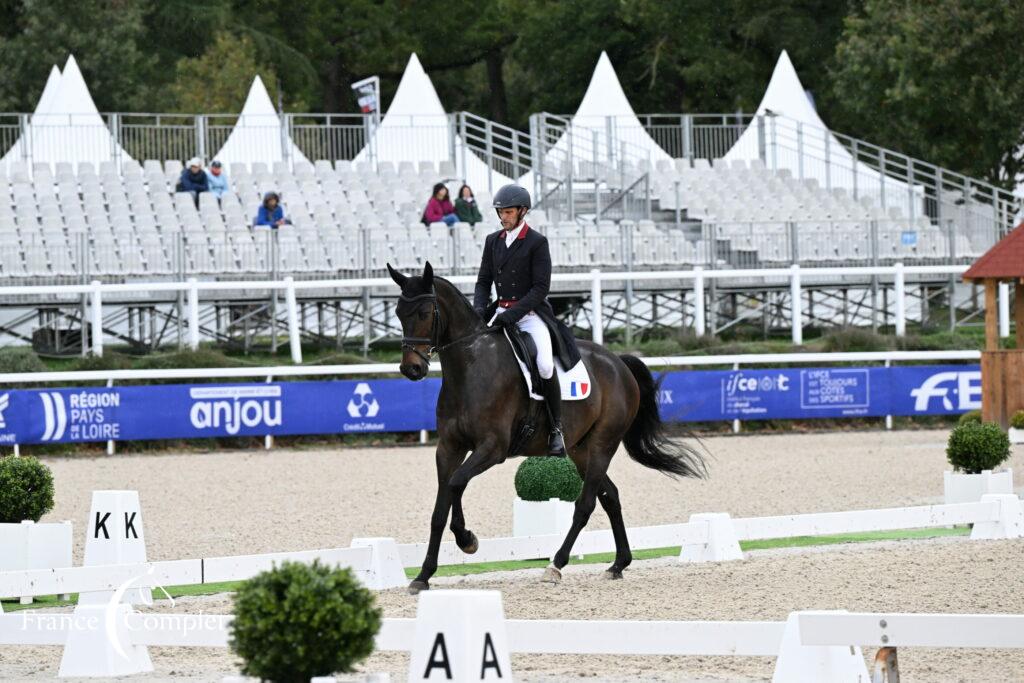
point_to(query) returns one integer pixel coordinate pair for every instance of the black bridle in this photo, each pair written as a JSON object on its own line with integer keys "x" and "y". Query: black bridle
{"x": 412, "y": 342}
{"x": 435, "y": 329}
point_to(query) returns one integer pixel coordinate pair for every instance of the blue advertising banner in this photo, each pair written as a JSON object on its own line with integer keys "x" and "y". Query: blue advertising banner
{"x": 398, "y": 405}
{"x": 712, "y": 395}
{"x": 210, "y": 410}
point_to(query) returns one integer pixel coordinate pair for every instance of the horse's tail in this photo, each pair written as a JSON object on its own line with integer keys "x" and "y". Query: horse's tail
{"x": 646, "y": 440}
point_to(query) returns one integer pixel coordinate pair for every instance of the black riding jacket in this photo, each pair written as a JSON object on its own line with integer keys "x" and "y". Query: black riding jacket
{"x": 521, "y": 273}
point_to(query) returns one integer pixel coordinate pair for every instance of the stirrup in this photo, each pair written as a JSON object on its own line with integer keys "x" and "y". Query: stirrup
{"x": 556, "y": 444}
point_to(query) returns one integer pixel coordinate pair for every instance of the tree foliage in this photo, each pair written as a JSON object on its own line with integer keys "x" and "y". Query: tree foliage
{"x": 936, "y": 80}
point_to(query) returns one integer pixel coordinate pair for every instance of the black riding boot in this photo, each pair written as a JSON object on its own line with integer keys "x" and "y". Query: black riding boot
{"x": 553, "y": 401}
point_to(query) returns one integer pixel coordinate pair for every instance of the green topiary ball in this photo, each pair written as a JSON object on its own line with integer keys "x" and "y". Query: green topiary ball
{"x": 26, "y": 489}
{"x": 1017, "y": 421}
{"x": 298, "y": 621}
{"x": 974, "y": 447}
{"x": 544, "y": 478}
{"x": 970, "y": 416}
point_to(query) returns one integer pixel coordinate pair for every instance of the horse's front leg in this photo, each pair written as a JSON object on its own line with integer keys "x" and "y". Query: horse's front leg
{"x": 483, "y": 458}
{"x": 448, "y": 457}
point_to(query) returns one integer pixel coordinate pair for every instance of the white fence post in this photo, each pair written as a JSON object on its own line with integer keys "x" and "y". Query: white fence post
{"x": 597, "y": 313}
{"x": 1004, "y": 309}
{"x": 97, "y": 318}
{"x": 193, "y": 314}
{"x": 699, "y": 325}
{"x": 899, "y": 293}
{"x": 796, "y": 304}
{"x": 293, "y": 320}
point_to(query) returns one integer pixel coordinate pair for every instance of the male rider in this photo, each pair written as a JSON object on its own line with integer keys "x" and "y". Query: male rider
{"x": 517, "y": 261}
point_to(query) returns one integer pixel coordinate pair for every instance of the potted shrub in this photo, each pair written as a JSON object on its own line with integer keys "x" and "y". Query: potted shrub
{"x": 1016, "y": 433}
{"x": 26, "y": 494}
{"x": 297, "y": 621}
{"x": 546, "y": 491}
{"x": 975, "y": 450}
{"x": 970, "y": 416}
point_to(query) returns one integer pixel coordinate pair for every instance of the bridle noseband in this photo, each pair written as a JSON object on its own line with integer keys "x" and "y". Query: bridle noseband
{"x": 412, "y": 342}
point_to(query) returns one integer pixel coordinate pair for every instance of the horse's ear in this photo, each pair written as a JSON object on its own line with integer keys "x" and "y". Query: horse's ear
{"x": 399, "y": 279}
{"x": 428, "y": 275}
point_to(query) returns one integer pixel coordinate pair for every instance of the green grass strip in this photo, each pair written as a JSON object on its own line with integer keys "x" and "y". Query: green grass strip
{"x": 12, "y": 605}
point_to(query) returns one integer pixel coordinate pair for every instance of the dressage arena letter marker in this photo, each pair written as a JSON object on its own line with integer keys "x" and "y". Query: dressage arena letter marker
{"x": 461, "y": 636}
{"x": 436, "y": 663}
{"x": 101, "y": 523}
{"x": 118, "y": 537}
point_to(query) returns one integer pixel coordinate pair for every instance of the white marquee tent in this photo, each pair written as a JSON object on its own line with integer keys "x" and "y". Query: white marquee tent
{"x": 20, "y": 149}
{"x": 258, "y": 136}
{"x": 70, "y": 128}
{"x": 416, "y": 128}
{"x": 605, "y": 126}
{"x": 803, "y": 142}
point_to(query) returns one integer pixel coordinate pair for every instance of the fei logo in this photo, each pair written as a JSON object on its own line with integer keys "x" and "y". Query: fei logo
{"x": 366, "y": 405}
{"x": 737, "y": 383}
{"x": 967, "y": 390}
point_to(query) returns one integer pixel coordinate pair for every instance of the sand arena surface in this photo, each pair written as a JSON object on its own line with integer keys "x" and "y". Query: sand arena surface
{"x": 252, "y": 502}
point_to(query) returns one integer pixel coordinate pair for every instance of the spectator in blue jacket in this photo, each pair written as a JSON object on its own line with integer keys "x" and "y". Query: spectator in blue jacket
{"x": 217, "y": 180}
{"x": 270, "y": 212}
{"x": 193, "y": 179}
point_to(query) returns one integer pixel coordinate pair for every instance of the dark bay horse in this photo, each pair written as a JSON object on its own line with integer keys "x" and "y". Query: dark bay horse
{"x": 483, "y": 400}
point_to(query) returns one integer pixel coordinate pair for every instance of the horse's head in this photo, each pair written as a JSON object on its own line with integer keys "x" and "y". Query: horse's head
{"x": 418, "y": 313}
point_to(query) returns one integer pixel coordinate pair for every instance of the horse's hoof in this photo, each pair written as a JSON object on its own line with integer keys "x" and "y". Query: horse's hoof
{"x": 552, "y": 574}
{"x": 472, "y": 546}
{"x": 416, "y": 586}
{"x": 612, "y": 574}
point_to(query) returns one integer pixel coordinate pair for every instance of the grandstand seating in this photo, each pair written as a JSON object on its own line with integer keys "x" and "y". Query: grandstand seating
{"x": 132, "y": 223}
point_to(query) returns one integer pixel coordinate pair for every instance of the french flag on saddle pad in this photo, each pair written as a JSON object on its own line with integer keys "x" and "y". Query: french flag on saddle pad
{"x": 578, "y": 388}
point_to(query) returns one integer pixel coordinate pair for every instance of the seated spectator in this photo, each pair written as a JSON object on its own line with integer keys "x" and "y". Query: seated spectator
{"x": 466, "y": 208}
{"x": 193, "y": 179}
{"x": 270, "y": 212}
{"x": 439, "y": 208}
{"x": 217, "y": 180}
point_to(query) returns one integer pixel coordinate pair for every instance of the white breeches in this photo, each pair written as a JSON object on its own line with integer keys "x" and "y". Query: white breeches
{"x": 535, "y": 327}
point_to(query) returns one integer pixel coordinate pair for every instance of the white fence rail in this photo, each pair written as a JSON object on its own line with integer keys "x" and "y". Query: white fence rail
{"x": 697, "y": 278}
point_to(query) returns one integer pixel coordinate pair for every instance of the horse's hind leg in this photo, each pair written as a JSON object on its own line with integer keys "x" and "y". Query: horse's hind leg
{"x": 609, "y": 498}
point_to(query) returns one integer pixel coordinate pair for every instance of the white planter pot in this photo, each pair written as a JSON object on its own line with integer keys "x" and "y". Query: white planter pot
{"x": 541, "y": 518}
{"x": 34, "y": 546}
{"x": 1016, "y": 435}
{"x": 969, "y": 488}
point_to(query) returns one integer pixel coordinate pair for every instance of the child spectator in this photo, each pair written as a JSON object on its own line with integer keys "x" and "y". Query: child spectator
{"x": 439, "y": 208}
{"x": 466, "y": 207}
{"x": 270, "y": 212}
{"x": 217, "y": 180}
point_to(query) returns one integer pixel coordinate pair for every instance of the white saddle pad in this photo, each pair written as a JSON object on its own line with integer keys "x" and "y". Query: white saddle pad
{"x": 574, "y": 383}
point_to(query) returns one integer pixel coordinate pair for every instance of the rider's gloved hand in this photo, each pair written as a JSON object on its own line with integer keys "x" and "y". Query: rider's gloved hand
{"x": 503, "y": 320}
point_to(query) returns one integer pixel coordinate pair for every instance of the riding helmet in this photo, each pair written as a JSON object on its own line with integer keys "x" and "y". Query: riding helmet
{"x": 510, "y": 196}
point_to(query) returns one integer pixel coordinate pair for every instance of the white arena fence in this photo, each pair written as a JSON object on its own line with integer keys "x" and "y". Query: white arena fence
{"x": 697, "y": 279}
{"x": 809, "y": 646}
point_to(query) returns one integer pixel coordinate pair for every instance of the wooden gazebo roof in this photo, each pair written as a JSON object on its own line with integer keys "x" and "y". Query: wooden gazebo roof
{"x": 1004, "y": 261}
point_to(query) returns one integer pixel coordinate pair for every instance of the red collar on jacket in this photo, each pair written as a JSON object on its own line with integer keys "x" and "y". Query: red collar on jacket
{"x": 522, "y": 233}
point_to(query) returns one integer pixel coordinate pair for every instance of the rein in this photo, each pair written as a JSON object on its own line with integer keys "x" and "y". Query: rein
{"x": 431, "y": 342}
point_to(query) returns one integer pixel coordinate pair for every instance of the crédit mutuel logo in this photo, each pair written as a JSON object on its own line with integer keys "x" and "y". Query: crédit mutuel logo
{"x": 362, "y": 404}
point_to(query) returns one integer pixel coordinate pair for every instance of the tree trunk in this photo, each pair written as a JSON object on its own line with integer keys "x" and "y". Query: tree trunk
{"x": 496, "y": 80}
{"x": 332, "y": 84}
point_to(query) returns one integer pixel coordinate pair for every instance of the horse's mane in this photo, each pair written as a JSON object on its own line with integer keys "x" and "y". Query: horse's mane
{"x": 459, "y": 295}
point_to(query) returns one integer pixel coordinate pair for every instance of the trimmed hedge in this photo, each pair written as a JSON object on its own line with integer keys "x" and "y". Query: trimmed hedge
{"x": 20, "y": 359}
{"x": 1017, "y": 421}
{"x": 298, "y": 621}
{"x": 970, "y": 416}
{"x": 542, "y": 478}
{"x": 26, "y": 489}
{"x": 974, "y": 447}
